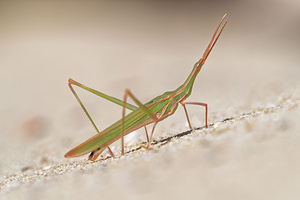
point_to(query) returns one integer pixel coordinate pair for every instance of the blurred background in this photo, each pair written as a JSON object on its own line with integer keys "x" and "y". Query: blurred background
{"x": 147, "y": 46}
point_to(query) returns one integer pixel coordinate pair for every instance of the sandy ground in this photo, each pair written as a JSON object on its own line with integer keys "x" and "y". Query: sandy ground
{"x": 250, "y": 82}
